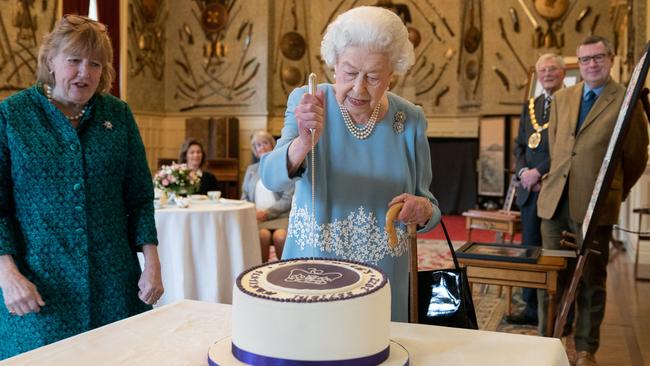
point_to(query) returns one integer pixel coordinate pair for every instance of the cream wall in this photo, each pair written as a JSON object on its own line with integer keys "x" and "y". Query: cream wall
{"x": 163, "y": 134}
{"x": 639, "y": 197}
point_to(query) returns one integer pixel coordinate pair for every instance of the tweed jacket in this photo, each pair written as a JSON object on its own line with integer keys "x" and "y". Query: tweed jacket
{"x": 577, "y": 158}
{"x": 526, "y": 157}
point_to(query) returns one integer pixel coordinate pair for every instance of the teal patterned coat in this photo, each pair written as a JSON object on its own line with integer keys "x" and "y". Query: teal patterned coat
{"x": 75, "y": 204}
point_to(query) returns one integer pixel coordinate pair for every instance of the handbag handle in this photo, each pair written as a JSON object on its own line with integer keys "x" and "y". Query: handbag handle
{"x": 451, "y": 247}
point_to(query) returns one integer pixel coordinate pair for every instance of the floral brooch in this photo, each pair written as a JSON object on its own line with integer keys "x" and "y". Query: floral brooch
{"x": 398, "y": 122}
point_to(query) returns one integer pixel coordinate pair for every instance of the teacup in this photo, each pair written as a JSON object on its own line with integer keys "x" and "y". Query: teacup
{"x": 214, "y": 195}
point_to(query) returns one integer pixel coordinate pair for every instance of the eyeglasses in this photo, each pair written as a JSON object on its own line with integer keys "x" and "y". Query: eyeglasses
{"x": 75, "y": 20}
{"x": 599, "y": 58}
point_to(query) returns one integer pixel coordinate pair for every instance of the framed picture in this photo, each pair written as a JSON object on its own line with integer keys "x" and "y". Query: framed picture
{"x": 571, "y": 78}
{"x": 491, "y": 156}
{"x": 499, "y": 252}
{"x": 606, "y": 173}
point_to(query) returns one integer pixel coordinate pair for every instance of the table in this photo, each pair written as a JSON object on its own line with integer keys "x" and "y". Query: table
{"x": 503, "y": 222}
{"x": 542, "y": 274}
{"x": 181, "y": 333}
{"x": 203, "y": 248}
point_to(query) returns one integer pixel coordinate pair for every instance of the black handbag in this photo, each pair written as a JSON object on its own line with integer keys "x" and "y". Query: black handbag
{"x": 444, "y": 295}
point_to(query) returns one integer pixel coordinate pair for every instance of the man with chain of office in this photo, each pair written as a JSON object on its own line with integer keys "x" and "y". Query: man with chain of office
{"x": 532, "y": 162}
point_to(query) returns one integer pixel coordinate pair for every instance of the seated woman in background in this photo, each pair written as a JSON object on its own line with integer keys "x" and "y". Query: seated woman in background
{"x": 272, "y": 207}
{"x": 193, "y": 154}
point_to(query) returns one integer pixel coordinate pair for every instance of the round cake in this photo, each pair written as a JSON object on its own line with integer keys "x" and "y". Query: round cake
{"x": 311, "y": 310}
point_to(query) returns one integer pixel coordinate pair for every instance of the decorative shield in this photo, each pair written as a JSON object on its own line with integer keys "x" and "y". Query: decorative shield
{"x": 293, "y": 45}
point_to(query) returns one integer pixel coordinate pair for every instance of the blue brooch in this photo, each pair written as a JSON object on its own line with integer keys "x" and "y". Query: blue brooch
{"x": 398, "y": 122}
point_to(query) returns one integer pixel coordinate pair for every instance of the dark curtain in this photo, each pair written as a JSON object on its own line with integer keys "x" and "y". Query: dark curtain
{"x": 108, "y": 13}
{"x": 454, "y": 184}
{"x": 79, "y": 7}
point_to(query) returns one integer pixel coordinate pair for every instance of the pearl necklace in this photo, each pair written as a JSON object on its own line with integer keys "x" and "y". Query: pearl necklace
{"x": 364, "y": 132}
{"x": 48, "y": 94}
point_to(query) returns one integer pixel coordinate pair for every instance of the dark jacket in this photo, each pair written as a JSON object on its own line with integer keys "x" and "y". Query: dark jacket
{"x": 531, "y": 158}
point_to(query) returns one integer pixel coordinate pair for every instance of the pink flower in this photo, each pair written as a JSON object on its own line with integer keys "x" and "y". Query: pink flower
{"x": 165, "y": 182}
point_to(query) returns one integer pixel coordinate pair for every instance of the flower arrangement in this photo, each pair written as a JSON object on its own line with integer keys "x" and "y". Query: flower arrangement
{"x": 177, "y": 179}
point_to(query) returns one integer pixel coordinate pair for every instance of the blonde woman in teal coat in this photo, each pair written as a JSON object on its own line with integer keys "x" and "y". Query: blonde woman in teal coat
{"x": 75, "y": 198}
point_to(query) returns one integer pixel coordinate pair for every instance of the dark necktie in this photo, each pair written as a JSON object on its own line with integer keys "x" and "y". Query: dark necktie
{"x": 585, "y": 106}
{"x": 547, "y": 109}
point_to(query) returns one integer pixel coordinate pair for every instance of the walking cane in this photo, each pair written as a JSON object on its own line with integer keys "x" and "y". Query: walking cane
{"x": 391, "y": 216}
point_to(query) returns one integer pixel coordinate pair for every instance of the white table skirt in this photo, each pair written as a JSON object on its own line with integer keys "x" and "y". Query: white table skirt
{"x": 181, "y": 333}
{"x": 203, "y": 248}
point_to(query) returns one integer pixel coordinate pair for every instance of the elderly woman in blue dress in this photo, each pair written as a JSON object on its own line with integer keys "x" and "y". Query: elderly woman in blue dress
{"x": 75, "y": 198}
{"x": 371, "y": 152}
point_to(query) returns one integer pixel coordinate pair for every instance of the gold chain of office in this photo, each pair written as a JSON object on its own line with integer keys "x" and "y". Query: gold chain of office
{"x": 536, "y": 138}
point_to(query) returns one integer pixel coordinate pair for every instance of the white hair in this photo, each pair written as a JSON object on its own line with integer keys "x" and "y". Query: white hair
{"x": 372, "y": 28}
{"x": 559, "y": 60}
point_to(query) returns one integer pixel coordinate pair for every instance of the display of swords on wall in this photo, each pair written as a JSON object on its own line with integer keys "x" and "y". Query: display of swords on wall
{"x": 147, "y": 38}
{"x": 22, "y": 25}
{"x": 292, "y": 57}
{"x": 470, "y": 59}
{"x": 225, "y": 74}
{"x": 447, "y": 39}
{"x": 424, "y": 75}
{"x": 551, "y": 38}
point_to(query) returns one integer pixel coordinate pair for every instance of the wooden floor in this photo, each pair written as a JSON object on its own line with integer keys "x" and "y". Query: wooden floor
{"x": 625, "y": 332}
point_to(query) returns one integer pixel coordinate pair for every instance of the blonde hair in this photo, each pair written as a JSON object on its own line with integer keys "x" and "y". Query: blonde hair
{"x": 261, "y": 135}
{"x": 77, "y": 35}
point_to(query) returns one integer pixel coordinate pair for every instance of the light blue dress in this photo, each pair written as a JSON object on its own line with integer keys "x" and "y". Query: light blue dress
{"x": 355, "y": 180}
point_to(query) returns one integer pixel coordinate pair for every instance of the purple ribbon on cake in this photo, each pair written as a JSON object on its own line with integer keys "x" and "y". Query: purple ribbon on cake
{"x": 255, "y": 359}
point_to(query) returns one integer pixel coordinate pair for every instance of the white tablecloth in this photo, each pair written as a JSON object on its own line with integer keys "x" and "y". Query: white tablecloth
{"x": 181, "y": 333}
{"x": 203, "y": 248}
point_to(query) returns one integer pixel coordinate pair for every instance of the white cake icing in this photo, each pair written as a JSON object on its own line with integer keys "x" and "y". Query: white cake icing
{"x": 311, "y": 310}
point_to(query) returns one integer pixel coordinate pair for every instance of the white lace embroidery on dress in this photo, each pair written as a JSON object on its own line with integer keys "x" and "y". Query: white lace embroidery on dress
{"x": 358, "y": 237}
